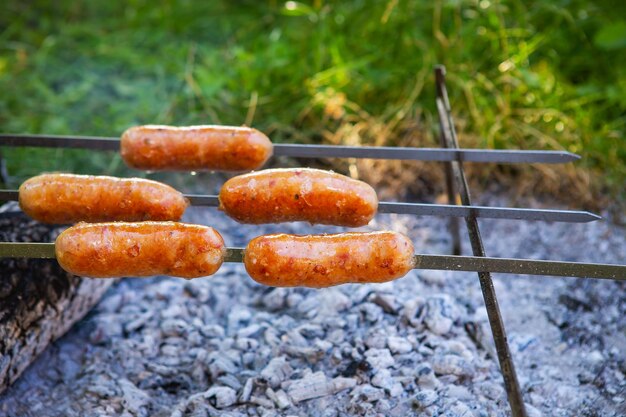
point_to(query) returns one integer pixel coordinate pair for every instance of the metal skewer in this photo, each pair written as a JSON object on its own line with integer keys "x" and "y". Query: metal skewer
{"x": 439, "y": 262}
{"x": 322, "y": 151}
{"x": 420, "y": 209}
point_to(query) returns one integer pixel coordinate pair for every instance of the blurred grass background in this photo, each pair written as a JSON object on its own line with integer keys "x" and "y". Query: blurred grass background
{"x": 521, "y": 75}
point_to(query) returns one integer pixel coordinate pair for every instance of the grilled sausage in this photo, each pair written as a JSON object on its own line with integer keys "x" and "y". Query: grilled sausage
{"x": 325, "y": 260}
{"x": 68, "y": 198}
{"x": 111, "y": 250}
{"x": 285, "y": 195}
{"x": 195, "y": 148}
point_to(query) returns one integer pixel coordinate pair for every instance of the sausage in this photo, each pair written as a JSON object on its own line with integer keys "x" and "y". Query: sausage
{"x": 325, "y": 260}
{"x": 302, "y": 194}
{"x": 112, "y": 250}
{"x": 68, "y": 198}
{"x": 195, "y": 148}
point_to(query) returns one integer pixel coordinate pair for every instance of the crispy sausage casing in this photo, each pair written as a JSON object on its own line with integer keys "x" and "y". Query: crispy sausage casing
{"x": 326, "y": 260}
{"x": 195, "y": 148}
{"x": 302, "y": 194}
{"x": 111, "y": 250}
{"x": 68, "y": 198}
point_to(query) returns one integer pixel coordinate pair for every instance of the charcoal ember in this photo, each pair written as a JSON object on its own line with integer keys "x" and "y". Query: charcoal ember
{"x": 316, "y": 385}
{"x": 220, "y": 363}
{"x": 433, "y": 277}
{"x": 457, "y": 408}
{"x": 246, "y": 344}
{"x": 221, "y": 397}
{"x": 441, "y": 313}
{"x": 426, "y": 398}
{"x": 246, "y": 392}
{"x": 426, "y": 376}
{"x": 251, "y": 331}
{"x": 311, "y": 331}
{"x": 413, "y": 311}
{"x": 387, "y": 302}
{"x": 134, "y": 399}
{"x": 383, "y": 379}
{"x": 212, "y": 331}
{"x": 263, "y": 402}
{"x": 532, "y": 411}
{"x": 276, "y": 371}
{"x": 332, "y": 301}
{"x": 491, "y": 390}
{"x": 279, "y": 397}
{"x": 367, "y": 392}
{"x": 137, "y": 321}
{"x": 399, "y": 344}
{"x": 379, "y": 358}
{"x": 376, "y": 339}
{"x": 174, "y": 327}
{"x": 459, "y": 392}
{"x": 371, "y": 312}
{"x": 449, "y": 364}
{"x": 275, "y": 299}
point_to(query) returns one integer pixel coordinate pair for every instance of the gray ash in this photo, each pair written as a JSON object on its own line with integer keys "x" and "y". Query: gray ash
{"x": 226, "y": 346}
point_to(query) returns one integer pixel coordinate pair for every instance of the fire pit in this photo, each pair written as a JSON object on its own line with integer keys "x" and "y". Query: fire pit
{"x": 372, "y": 349}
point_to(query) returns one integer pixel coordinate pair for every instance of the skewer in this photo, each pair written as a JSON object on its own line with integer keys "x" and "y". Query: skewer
{"x": 420, "y": 209}
{"x": 438, "y": 262}
{"x": 322, "y": 151}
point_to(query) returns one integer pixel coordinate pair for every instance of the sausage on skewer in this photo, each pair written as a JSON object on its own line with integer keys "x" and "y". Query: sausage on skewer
{"x": 111, "y": 250}
{"x": 302, "y": 194}
{"x": 325, "y": 260}
{"x": 69, "y": 198}
{"x": 195, "y": 148}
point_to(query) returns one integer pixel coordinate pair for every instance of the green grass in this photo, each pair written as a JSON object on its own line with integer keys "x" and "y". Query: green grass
{"x": 538, "y": 74}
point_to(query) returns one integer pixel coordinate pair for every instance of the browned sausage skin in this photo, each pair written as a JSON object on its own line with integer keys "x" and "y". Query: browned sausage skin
{"x": 111, "y": 250}
{"x": 325, "y": 260}
{"x": 195, "y": 148}
{"x": 302, "y": 194}
{"x": 69, "y": 198}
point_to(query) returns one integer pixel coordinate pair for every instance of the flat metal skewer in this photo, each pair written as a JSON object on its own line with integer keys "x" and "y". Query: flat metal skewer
{"x": 439, "y": 262}
{"x": 322, "y": 151}
{"x": 420, "y": 209}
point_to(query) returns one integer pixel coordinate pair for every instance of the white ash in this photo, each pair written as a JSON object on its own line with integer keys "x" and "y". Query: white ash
{"x": 225, "y": 346}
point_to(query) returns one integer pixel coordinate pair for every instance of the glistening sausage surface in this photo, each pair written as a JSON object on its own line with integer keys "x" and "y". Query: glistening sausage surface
{"x": 111, "y": 250}
{"x": 326, "y": 260}
{"x": 68, "y": 198}
{"x": 302, "y": 194}
{"x": 195, "y": 148}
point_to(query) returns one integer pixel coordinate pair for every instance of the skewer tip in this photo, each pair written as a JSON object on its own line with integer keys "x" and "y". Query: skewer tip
{"x": 592, "y": 217}
{"x": 571, "y": 156}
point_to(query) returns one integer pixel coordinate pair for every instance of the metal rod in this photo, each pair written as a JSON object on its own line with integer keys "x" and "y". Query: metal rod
{"x": 203, "y": 200}
{"x": 420, "y": 209}
{"x": 487, "y": 212}
{"x": 54, "y": 141}
{"x": 27, "y": 250}
{"x": 234, "y": 255}
{"x": 507, "y": 366}
{"x": 521, "y": 266}
{"x": 439, "y": 262}
{"x": 4, "y": 173}
{"x": 454, "y": 222}
{"x": 323, "y": 151}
